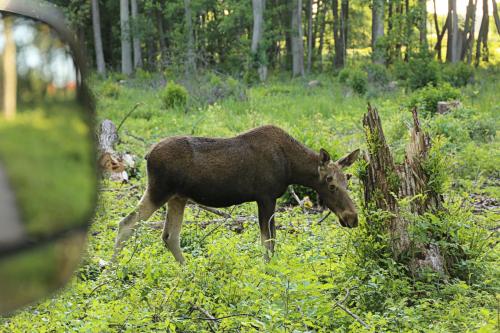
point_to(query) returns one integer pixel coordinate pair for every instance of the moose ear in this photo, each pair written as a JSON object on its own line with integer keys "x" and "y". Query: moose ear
{"x": 349, "y": 159}
{"x": 324, "y": 157}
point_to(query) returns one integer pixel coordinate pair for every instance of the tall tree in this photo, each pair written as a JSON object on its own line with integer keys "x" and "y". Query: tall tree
{"x": 96, "y": 24}
{"x": 440, "y": 34}
{"x": 190, "y": 58}
{"x": 9, "y": 70}
{"x": 309, "y": 35}
{"x": 297, "y": 41}
{"x": 467, "y": 35}
{"x": 322, "y": 11}
{"x": 495, "y": 15}
{"x": 258, "y": 48}
{"x": 422, "y": 26}
{"x": 482, "y": 52}
{"x": 135, "y": 38}
{"x": 452, "y": 53}
{"x": 125, "y": 36}
{"x": 377, "y": 31}
{"x": 340, "y": 30}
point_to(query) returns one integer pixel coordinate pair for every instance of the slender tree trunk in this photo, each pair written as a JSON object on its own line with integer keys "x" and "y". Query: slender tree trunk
{"x": 468, "y": 32}
{"x": 257, "y": 48}
{"x": 190, "y": 59}
{"x": 9, "y": 70}
{"x": 439, "y": 42}
{"x": 495, "y": 15}
{"x": 297, "y": 39}
{"x": 135, "y": 40}
{"x": 340, "y": 26}
{"x": 322, "y": 33}
{"x": 452, "y": 54}
{"x": 377, "y": 31}
{"x": 408, "y": 30}
{"x": 125, "y": 35}
{"x": 482, "y": 53}
{"x": 309, "y": 36}
{"x": 423, "y": 25}
{"x": 344, "y": 28}
{"x": 161, "y": 36}
{"x": 96, "y": 24}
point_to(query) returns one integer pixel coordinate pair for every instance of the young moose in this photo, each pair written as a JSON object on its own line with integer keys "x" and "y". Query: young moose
{"x": 255, "y": 166}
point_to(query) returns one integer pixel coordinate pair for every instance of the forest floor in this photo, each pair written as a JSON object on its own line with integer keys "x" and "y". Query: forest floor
{"x": 323, "y": 278}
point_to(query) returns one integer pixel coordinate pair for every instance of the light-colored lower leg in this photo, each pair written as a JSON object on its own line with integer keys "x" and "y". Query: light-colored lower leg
{"x": 172, "y": 229}
{"x": 127, "y": 226}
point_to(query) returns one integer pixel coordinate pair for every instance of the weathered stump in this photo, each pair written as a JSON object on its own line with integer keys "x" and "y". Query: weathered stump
{"x": 113, "y": 165}
{"x": 386, "y": 183}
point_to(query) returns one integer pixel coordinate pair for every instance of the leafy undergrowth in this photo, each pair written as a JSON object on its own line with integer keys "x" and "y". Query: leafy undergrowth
{"x": 319, "y": 269}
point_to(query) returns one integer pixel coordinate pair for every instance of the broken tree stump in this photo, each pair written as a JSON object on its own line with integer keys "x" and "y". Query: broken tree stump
{"x": 386, "y": 183}
{"x": 113, "y": 165}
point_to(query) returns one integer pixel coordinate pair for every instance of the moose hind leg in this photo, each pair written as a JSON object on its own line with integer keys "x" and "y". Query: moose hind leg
{"x": 266, "y": 223}
{"x": 172, "y": 228}
{"x": 127, "y": 225}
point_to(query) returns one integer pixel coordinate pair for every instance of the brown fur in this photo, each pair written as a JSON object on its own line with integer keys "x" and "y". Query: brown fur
{"x": 255, "y": 166}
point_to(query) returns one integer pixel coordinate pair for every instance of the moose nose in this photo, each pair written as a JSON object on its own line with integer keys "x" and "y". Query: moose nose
{"x": 349, "y": 220}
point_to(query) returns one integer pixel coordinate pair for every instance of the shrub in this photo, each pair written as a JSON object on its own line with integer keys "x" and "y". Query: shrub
{"x": 174, "y": 95}
{"x": 344, "y": 75}
{"x": 358, "y": 81}
{"x": 377, "y": 74}
{"x": 458, "y": 75}
{"x": 482, "y": 129}
{"x": 427, "y": 98}
{"x": 419, "y": 72}
{"x": 213, "y": 88}
{"x": 111, "y": 89}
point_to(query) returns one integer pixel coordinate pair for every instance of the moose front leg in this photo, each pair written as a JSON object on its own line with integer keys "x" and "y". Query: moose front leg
{"x": 172, "y": 228}
{"x": 266, "y": 223}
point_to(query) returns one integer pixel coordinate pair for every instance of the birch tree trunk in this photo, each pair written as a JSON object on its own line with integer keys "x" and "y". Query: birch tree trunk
{"x": 96, "y": 24}
{"x": 190, "y": 59}
{"x": 257, "y": 49}
{"x": 135, "y": 39}
{"x": 377, "y": 31}
{"x": 297, "y": 39}
{"x": 9, "y": 71}
{"x": 125, "y": 36}
{"x": 385, "y": 182}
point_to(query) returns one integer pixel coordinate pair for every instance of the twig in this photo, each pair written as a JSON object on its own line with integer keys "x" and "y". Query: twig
{"x": 212, "y": 210}
{"x": 138, "y": 138}
{"x": 324, "y": 217}
{"x": 349, "y": 312}
{"x": 207, "y": 314}
{"x": 296, "y": 197}
{"x": 128, "y": 115}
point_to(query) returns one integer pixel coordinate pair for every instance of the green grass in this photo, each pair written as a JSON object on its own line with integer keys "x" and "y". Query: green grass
{"x": 316, "y": 265}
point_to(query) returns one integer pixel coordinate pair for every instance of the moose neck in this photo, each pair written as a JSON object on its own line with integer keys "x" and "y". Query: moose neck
{"x": 304, "y": 167}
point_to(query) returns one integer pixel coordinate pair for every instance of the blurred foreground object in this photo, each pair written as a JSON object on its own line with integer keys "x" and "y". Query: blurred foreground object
{"x": 47, "y": 153}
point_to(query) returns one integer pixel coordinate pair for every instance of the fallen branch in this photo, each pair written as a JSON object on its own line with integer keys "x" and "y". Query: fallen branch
{"x": 128, "y": 115}
{"x": 324, "y": 217}
{"x": 349, "y": 312}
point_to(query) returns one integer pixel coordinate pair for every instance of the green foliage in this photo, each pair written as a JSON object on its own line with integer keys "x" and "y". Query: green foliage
{"x": 377, "y": 74}
{"x": 174, "y": 96}
{"x": 344, "y": 75}
{"x": 458, "y": 75}
{"x": 419, "y": 72}
{"x": 110, "y": 89}
{"x": 358, "y": 81}
{"x": 427, "y": 98}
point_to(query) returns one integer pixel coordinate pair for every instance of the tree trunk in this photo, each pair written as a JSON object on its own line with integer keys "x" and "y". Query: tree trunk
{"x": 190, "y": 58}
{"x": 408, "y": 30}
{"x": 468, "y": 32}
{"x": 257, "y": 48}
{"x": 377, "y": 31}
{"x": 297, "y": 39}
{"x": 322, "y": 32}
{"x": 340, "y": 26}
{"x": 452, "y": 54}
{"x": 9, "y": 70}
{"x": 96, "y": 24}
{"x": 161, "y": 36}
{"x": 384, "y": 183}
{"x": 125, "y": 35}
{"x": 482, "y": 38}
{"x": 495, "y": 15}
{"x": 423, "y": 24}
{"x": 440, "y": 36}
{"x": 136, "y": 40}
{"x": 309, "y": 36}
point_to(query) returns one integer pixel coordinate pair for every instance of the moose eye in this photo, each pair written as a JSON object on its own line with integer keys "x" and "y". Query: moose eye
{"x": 329, "y": 179}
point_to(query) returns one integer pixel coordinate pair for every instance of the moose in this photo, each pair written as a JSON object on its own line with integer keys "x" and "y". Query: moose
{"x": 257, "y": 165}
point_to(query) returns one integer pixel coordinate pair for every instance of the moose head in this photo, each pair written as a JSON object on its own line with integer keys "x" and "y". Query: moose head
{"x": 333, "y": 187}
